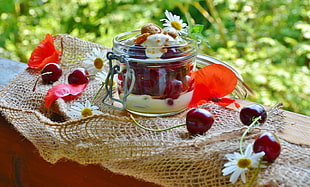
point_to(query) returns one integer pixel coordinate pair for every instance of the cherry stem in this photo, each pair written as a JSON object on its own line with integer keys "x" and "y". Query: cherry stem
{"x": 90, "y": 75}
{"x": 255, "y": 173}
{"x": 154, "y": 130}
{"x": 253, "y": 124}
{"x": 35, "y": 84}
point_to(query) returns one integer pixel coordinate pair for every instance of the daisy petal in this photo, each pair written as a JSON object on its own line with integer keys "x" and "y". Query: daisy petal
{"x": 174, "y": 23}
{"x": 78, "y": 110}
{"x": 95, "y": 61}
{"x": 238, "y": 167}
{"x": 249, "y": 150}
{"x": 243, "y": 178}
{"x": 229, "y": 170}
{"x": 234, "y": 177}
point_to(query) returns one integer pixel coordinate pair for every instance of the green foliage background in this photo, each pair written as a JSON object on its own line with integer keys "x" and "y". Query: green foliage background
{"x": 266, "y": 41}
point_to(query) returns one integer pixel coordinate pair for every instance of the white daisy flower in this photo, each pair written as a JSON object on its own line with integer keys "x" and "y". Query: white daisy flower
{"x": 79, "y": 110}
{"x": 96, "y": 61}
{"x": 101, "y": 76}
{"x": 239, "y": 163}
{"x": 174, "y": 23}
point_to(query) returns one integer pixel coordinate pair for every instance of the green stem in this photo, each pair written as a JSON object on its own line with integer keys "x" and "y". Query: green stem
{"x": 253, "y": 124}
{"x": 91, "y": 75}
{"x": 256, "y": 173}
{"x": 93, "y": 100}
{"x": 47, "y": 73}
{"x": 154, "y": 130}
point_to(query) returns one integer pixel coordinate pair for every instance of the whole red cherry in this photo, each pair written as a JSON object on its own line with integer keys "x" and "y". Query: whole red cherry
{"x": 198, "y": 121}
{"x": 51, "y": 73}
{"x": 248, "y": 113}
{"x": 78, "y": 76}
{"x": 268, "y": 143}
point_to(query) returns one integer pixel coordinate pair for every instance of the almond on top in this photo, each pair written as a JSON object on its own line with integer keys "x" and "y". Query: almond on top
{"x": 151, "y": 28}
{"x": 141, "y": 38}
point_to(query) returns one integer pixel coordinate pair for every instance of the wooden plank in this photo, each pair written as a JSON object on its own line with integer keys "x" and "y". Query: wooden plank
{"x": 9, "y": 69}
{"x": 296, "y": 129}
{"x": 21, "y": 165}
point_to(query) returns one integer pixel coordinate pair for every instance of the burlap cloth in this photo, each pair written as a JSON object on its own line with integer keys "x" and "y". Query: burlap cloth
{"x": 169, "y": 158}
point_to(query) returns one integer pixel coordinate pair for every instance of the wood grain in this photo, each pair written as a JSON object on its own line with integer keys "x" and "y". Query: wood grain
{"x": 21, "y": 165}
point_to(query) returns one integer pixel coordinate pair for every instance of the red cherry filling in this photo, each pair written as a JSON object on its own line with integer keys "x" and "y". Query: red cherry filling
{"x": 172, "y": 52}
{"x": 173, "y": 89}
{"x": 78, "y": 76}
{"x": 170, "y": 101}
{"x": 51, "y": 73}
{"x": 159, "y": 80}
{"x": 137, "y": 51}
{"x": 268, "y": 143}
{"x": 198, "y": 121}
{"x": 249, "y": 113}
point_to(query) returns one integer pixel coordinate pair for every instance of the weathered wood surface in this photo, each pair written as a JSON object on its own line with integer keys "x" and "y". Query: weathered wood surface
{"x": 21, "y": 165}
{"x": 9, "y": 70}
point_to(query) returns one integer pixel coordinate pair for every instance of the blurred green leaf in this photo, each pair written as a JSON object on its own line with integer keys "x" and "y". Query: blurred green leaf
{"x": 6, "y": 6}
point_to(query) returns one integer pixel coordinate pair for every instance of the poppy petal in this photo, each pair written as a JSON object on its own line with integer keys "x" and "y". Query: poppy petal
{"x": 213, "y": 81}
{"x": 196, "y": 104}
{"x": 44, "y": 53}
{"x": 66, "y": 91}
{"x": 227, "y": 101}
{"x": 219, "y": 79}
{"x": 53, "y": 58}
{"x": 199, "y": 97}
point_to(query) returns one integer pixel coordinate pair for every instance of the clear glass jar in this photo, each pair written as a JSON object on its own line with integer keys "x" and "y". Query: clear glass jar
{"x": 163, "y": 85}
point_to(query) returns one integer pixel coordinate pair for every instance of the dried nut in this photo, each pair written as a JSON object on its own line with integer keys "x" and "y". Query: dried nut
{"x": 151, "y": 28}
{"x": 141, "y": 38}
{"x": 163, "y": 50}
{"x": 172, "y": 34}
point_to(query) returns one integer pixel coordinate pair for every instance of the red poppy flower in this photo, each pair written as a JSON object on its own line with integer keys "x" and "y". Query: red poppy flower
{"x": 66, "y": 91}
{"x": 44, "y": 53}
{"x": 212, "y": 83}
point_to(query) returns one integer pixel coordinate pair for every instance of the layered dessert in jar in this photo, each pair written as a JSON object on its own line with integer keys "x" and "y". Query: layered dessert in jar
{"x": 163, "y": 62}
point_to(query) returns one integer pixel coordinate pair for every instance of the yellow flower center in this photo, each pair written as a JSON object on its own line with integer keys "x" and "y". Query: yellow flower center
{"x": 176, "y": 25}
{"x": 98, "y": 63}
{"x": 86, "y": 112}
{"x": 244, "y": 163}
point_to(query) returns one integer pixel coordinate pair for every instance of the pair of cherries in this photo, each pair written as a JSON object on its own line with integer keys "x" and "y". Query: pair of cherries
{"x": 199, "y": 121}
{"x": 52, "y": 72}
{"x": 267, "y": 141}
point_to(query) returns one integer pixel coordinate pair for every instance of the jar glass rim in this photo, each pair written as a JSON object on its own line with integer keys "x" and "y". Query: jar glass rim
{"x": 126, "y": 35}
{"x": 118, "y": 43}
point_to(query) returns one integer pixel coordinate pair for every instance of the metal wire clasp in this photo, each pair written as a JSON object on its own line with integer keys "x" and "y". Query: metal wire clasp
{"x": 114, "y": 70}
